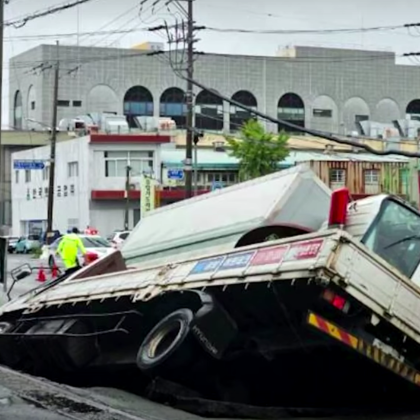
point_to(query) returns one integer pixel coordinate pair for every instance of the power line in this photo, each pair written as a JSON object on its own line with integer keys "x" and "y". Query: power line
{"x": 299, "y": 129}
{"x": 19, "y": 22}
{"x": 143, "y": 29}
{"x": 311, "y": 31}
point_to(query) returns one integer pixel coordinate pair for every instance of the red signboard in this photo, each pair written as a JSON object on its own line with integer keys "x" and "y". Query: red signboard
{"x": 304, "y": 250}
{"x": 269, "y": 255}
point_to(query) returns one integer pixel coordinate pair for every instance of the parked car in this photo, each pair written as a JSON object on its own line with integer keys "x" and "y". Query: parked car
{"x": 93, "y": 244}
{"x": 118, "y": 238}
{"x": 11, "y": 243}
{"x": 27, "y": 244}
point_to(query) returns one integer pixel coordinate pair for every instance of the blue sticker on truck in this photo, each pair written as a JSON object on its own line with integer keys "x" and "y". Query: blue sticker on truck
{"x": 207, "y": 266}
{"x": 237, "y": 261}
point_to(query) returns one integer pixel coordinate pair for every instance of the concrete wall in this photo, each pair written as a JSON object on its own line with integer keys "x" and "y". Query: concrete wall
{"x": 347, "y": 82}
{"x": 99, "y": 181}
{"x": 29, "y": 199}
{"x": 107, "y": 216}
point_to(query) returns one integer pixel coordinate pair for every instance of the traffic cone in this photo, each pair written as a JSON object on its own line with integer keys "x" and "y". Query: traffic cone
{"x": 41, "y": 275}
{"x": 54, "y": 271}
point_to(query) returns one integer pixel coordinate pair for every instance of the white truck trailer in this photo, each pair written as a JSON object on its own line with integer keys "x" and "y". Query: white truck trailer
{"x": 330, "y": 317}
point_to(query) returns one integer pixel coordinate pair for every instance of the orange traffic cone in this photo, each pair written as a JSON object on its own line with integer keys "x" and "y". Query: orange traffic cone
{"x": 54, "y": 271}
{"x": 41, "y": 275}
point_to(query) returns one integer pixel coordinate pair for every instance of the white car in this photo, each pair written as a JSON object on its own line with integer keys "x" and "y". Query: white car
{"x": 118, "y": 238}
{"x": 93, "y": 244}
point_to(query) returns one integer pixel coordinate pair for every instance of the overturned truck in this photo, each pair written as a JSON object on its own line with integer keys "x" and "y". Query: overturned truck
{"x": 275, "y": 292}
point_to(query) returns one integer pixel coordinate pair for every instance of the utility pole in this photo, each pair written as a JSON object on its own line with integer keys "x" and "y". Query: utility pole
{"x": 51, "y": 186}
{"x": 2, "y": 166}
{"x": 127, "y": 196}
{"x": 190, "y": 101}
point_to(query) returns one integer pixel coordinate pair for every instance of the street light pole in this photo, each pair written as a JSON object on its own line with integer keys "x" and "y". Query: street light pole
{"x": 2, "y": 166}
{"x": 51, "y": 186}
{"x": 127, "y": 196}
{"x": 190, "y": 102}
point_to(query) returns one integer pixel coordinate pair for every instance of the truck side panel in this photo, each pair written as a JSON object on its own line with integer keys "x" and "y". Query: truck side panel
{"x": 276, "y": 261}
{"x": 378, "y": 286}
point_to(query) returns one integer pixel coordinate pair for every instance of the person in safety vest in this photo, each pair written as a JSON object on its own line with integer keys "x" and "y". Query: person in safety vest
{"x": 68, "y": 250}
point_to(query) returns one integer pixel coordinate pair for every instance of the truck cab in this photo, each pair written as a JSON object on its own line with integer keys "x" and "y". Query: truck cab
{"x": 385, "y": 224}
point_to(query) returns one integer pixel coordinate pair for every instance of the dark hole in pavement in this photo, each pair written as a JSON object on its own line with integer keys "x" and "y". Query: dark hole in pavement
{"x": 47, "y": 400}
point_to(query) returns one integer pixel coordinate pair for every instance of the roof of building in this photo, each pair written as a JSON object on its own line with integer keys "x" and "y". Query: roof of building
{"x": 298, "y": 52}
{"x": 29, "y": 138}
{"x": 211, "y": 159}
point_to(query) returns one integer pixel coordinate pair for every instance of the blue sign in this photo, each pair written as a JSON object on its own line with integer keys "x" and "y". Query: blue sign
{"x": 216, "y": 186}
{"x": 176, "y": 174}
{"x": 207, "y": 266}
{"x": 237, "y": 261}
{"x": 28, "y": 165}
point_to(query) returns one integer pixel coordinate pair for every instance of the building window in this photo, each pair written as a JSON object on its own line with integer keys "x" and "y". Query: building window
{"x": 77, "y": 104}
{"x": 46, "y": 173}
{"x": 360, "y": 118}
{"x": 73, "y": 169}
{"x": 27, "y": 176}
{"x": 63, "y": 103}
{"x": 404, "y": 180}
{"x": 116, "y": 163}
{"x": 322, "y": 113}
{"x": 16, "y": 177}
{"x": 207, "y": 179}
{"x": 372, "y": 181}
{"x": 72, "y": 223}
{"x": 337, "y": 178}
{"x": 32, "y": 105}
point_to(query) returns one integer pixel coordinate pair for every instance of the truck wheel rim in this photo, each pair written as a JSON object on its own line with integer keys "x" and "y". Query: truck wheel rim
{"x": 164, "y": 339}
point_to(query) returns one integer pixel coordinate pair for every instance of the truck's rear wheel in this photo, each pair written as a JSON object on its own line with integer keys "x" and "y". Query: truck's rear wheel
{"x": 161, "y": 347}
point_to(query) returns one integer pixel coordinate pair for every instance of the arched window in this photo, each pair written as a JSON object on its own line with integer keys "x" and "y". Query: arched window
{"x": 173, "y": 105}
{"x": 138, "y": 102}
{"x": 17, "y": 111}
{"x": 208, "y": 112}
{"x": 239, "y": 116}
{"x": 291, "y": 109}
{"x": 413, "y": 109}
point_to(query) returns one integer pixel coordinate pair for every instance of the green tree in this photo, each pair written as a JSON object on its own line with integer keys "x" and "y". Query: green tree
{"x": 259, "y": 153}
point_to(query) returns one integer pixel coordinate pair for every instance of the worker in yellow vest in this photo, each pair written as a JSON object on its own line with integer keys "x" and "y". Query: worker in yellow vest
{"x": 68, "y": 249}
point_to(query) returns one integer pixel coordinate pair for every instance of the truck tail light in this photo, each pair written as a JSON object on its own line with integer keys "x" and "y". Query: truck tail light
{"x": 338, "y": 207}
{"x": 90, "y": 257}
{"x": 336, "y": 300}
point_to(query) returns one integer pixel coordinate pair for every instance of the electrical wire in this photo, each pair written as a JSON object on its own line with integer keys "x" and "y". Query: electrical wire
{"x": 300, "y": 129}
{"x": 19, "y": 22}
{"x": 311, "y": 31}
{"x": 100, "y": 32}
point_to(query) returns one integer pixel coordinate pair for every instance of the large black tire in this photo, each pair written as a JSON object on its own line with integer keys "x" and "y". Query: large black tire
{"x": 159, "y": 349}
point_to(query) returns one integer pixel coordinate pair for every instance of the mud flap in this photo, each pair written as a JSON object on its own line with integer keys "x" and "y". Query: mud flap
{"x": 213, "y": 327}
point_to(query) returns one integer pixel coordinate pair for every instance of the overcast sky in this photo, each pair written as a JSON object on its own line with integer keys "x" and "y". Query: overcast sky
{"x": 106, "y": 15}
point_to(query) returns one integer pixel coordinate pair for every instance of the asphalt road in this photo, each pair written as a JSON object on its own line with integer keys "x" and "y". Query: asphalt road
{"x": 14, "y": 261}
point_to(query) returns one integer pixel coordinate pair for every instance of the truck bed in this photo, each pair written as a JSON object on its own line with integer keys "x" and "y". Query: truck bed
{"x": 267, "y": 289}
{"x": 332, "y": 256}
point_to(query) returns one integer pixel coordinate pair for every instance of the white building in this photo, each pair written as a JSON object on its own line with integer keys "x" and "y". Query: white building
{"x": 90, "y": 182}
